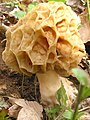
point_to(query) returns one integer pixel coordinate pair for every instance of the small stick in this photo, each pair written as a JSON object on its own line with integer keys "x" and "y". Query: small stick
{"x": 22, "y": 83}
{"x": 84, "y": 109}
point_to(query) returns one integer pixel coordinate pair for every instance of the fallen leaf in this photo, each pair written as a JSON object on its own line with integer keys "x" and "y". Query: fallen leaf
{"x": 3, "y": 86}
{"x": 14, "y": 110}
{"x": 71, "y": 2}
{"x": 77, "y": 5}
{"x": 85, "y": 27}
{"x": 37, "y": 107}
{"x": 31, "y": 110}
{"x": 28, "y": 114}
{"x": 85, "y": 117}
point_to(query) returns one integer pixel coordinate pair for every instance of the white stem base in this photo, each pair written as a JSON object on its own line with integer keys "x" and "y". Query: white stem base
{"x": 50, "y": 82}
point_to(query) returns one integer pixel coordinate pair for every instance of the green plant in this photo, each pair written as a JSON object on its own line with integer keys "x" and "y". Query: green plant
{"x": 86, "y": 3}
{"x": 84, "y": 89}
{"x": 58, "y": 1}
{"x": 63, "y": 112}
{"x": 3, "y": 115}
{"x": 59, "y": 108}
{"x": 22, "y": 9}
{"x": 88, "y": 8}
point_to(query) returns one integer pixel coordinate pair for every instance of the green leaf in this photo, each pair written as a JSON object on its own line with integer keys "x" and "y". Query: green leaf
{"x": 81, "y": 76}
{"x": 79, "y": 26}
{"x": 3, "y": 115}
{"x": 88, "y": 9}
{"x": 68, "y": 114}
{"x": 79, "y": 115}
{"x": 62, "y": 96}
{"x": 19, "y": 14}
{"x": 3, "y": 104}
{"x": 30, "y": 7}
{"x": 52, "y": 111}
{"x": 21, "y": 5}
{"x": 85, "y": 92}
{"x": 57, "y": 1}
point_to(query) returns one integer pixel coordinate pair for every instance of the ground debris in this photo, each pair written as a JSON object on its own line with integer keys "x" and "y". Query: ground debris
{"x": 85, "y": 27}
{"x": 28, "y": 110}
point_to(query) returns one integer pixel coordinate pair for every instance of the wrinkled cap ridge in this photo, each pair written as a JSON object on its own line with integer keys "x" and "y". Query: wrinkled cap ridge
{"x": 45, "y": 39}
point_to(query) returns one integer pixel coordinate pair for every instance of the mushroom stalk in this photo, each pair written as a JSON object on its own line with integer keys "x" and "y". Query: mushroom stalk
{"x": 50, "y": 82}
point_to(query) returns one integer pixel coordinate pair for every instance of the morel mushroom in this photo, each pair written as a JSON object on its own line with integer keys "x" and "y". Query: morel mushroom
{"x": 46, "y": 42}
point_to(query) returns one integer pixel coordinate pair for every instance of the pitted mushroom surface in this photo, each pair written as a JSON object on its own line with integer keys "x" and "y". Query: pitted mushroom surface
{"x": 46, "y": 38}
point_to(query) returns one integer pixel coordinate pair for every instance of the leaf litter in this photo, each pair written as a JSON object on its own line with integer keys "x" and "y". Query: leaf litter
{"x": 29, "y": 110}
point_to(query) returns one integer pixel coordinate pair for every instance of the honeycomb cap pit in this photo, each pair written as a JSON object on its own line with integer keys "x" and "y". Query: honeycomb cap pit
{"x": 45, "y": 39}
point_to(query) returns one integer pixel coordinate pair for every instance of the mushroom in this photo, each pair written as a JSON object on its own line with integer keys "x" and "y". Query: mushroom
{"x": 46, "y": 42}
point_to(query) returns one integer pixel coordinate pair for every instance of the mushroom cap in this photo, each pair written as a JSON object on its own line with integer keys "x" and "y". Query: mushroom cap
{"x": 45, "y": 39}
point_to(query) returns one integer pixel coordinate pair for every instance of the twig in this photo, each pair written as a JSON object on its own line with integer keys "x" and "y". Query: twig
{"x": 88, "y": 8}
{"x": 3, "y": 41}
{"x": 22, "y": 83}
{"x": 35, "y": 83}
{"x": 84, "y": 109}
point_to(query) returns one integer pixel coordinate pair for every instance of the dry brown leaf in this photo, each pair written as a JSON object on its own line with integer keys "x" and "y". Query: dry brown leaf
{"x": 85, "y": 27}
{"x": 71, "y": 2}
{"x": 3, "y": 87}
{"x": 77, "y": 5}
{"x": 14, "y": 110}
{"x": 31, "y": 110}
{"x": 85, "y": 117}
{"x": 28, "y": 114}
{"x": 37, "y": 107}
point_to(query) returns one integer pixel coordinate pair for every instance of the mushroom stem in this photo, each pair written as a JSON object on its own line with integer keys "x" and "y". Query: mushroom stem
{"x": 49, "y": 83}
